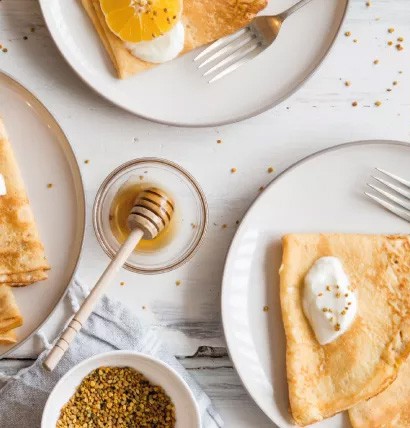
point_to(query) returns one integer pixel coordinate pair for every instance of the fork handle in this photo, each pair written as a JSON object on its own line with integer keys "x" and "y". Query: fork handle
{"x": 293, "y": 9}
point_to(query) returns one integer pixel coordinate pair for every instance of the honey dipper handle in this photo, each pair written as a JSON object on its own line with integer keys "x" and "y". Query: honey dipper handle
{"x": 61, "y": 346}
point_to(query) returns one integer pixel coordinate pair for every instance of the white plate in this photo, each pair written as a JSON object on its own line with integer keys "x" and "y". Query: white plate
{"x": 159, "y": 373}
{"x": 322, "y": 193}
{"x": 175, "y": 93}
{"x": 44, "y": 156}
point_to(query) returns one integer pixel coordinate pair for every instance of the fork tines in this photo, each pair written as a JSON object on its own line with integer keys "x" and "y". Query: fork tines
{"x": 394, "y": 194}
{"x": 229, "y": 53}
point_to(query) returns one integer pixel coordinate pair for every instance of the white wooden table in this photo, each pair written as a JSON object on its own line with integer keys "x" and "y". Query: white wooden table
{"x": 319, "y": 115}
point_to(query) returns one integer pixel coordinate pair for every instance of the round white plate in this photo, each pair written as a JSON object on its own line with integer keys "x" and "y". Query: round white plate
{"x": 176, "y": 93}
{"x": 322, "y": 193}
{"x": 44, "y": 156}
{"x": 159, "y": 373}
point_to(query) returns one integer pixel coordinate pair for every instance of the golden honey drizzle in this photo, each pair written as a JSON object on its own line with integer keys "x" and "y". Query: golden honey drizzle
{"x": 120, "y": 209}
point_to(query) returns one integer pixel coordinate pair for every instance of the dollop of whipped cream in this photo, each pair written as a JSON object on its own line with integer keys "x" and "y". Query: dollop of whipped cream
{"x": 3, "y": 188}
{"x": 328, "y": 301}
{"x": 161, "y": 49}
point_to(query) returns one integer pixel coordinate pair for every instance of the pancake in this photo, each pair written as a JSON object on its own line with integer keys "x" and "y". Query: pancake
{"x": 22, "y": 258}
{"x": 8, "y": 338}
{"x": 24, "y": 278}
{"x": 204, "y": 20}
{"x": 325, "y": 380}
{"x": 10, "y": 316}
{"x": 391, "y": 408}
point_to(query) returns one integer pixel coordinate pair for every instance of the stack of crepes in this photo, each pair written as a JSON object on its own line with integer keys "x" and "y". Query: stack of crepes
{"x": 366, "y": 370}
{"x": 22, "y": 258}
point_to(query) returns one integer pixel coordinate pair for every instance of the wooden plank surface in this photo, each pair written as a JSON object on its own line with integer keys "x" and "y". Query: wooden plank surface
{"x": 317, "y": 116}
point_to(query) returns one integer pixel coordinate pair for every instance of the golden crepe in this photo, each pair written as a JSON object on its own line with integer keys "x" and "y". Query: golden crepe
{"x": 204, "y": 22}
{"x": 324, "y": 380}
{"x": 10, "y": 316}
{"x": 23, "y": 278}
{"x": 391, "y": 408}
{"x": 8, "y": 338}
{"x": 22, "y": 259}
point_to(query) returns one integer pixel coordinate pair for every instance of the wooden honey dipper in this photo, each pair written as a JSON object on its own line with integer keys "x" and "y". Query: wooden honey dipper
{"x": 151, "y": 213}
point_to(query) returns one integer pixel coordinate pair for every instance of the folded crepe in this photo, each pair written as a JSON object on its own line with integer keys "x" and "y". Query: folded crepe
{"x": 391, "y": 408}
{"x": 8, "y": 338}
{"x": 10, "y": 316}
{"x": 22, "y": 259}
{"x": 325, "y": 380}
{"x": 204, "y": 20}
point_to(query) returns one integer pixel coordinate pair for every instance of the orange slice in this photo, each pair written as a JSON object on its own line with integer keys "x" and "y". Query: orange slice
{"x": 140, "y": 20}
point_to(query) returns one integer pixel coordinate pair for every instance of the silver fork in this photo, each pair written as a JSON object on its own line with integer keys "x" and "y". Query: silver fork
{"x": 227, "y": 54}
{"x": 397, "y": 201}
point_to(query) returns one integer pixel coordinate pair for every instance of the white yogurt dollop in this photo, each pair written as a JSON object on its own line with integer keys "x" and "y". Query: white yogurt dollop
{"x": 3, "y": 189}
{"x": 328, "y": 303}
{"x": 161, "y": 49}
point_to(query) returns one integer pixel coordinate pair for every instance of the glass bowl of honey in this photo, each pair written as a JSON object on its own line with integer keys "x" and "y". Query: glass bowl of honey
{"x": 178, "y": 242}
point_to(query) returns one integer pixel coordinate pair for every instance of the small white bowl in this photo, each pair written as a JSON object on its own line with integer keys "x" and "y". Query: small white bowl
{"x": 157, "y": 372}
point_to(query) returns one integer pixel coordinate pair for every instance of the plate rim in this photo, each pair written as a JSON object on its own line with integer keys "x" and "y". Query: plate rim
{"x": 239, "y": 118}
{"x": 224, "y": 284}
{"x": 70, "y": 150}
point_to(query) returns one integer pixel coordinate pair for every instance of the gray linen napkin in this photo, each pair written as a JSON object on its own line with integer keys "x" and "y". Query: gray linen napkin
{"x": 111, "y": 327}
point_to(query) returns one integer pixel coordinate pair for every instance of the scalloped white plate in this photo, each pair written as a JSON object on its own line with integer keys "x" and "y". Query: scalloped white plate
{"x": 175, "y": 93}
{"x": 322, "y": 193}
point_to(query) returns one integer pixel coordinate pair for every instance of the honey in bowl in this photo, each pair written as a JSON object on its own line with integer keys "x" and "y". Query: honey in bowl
{"x": 119, "y": 211}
